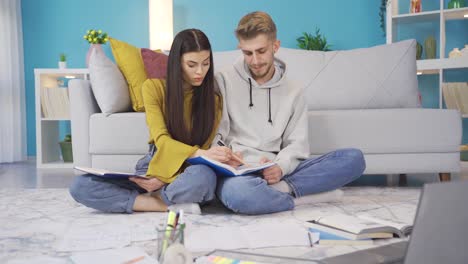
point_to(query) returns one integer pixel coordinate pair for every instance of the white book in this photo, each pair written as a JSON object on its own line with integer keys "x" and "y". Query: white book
{"x": 109, "y": 174}
{"x": 45, "y": 112}
{"x": 364, "y": 226}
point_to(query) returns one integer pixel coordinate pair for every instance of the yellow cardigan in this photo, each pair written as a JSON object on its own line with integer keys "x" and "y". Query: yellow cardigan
{"x": 168, "y": 161}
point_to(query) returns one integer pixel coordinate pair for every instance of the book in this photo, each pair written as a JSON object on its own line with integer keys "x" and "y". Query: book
{"x": 362, "y": 226}
{"x": 227, "y": 170}
{"x": 109, "y": 174}
{"x": 329, "y": 238}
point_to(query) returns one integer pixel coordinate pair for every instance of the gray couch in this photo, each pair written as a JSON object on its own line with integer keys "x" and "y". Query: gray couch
{"x": 363, "y": 98}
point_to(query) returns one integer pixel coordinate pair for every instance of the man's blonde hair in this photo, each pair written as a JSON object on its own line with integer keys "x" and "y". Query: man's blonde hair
{"x": 254, "y": 24}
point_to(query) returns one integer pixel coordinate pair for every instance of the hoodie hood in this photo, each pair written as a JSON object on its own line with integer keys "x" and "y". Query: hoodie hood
{"x": 278, "y": 77}
{"x": 243, "y": 70}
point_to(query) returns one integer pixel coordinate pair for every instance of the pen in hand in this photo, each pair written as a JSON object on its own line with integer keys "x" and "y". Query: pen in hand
{"x": 237, "y": 158}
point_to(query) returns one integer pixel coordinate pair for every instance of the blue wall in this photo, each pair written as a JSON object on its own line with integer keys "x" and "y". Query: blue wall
{"x": 51, "y": 27}
{"x": 54, "y": 26}
{"x": 346, "y": 24}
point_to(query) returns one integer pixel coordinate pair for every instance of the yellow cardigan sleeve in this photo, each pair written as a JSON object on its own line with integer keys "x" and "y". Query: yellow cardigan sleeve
{"x": 171, "y": 154}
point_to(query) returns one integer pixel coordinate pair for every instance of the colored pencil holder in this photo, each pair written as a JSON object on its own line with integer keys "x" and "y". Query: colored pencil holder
{"x": 166, "y": 238}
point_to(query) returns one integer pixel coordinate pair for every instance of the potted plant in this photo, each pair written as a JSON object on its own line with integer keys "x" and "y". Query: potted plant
{"x": 313, "y": 42}
{"x": 62, "y": 61}
{"x": 96, "y": 38}
{"x": 66, "y": 148}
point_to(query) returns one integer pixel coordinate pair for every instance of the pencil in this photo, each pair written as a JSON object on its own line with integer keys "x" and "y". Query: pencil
{"x": 135, "y": 260}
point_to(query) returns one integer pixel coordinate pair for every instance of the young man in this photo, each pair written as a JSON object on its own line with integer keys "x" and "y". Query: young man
{"x": 265, "y": 119}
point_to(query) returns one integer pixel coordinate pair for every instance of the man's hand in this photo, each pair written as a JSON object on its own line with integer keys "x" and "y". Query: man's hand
{"x": 271, "y": 174}
{"x": 149, "y": 185}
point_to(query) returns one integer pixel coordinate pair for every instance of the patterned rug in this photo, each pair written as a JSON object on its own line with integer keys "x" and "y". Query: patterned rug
{"x": 48, "y": 226}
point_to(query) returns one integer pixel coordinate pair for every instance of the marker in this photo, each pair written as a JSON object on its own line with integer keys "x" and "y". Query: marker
{"x": 169, "y": 226}
{"x": 181, "y": 225}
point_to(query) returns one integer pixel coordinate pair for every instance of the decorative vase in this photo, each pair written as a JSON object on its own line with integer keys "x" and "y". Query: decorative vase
{"x": 98, "y": 48}
{"x": 66, "y": 149}
{"x": 415, "y": 6}
{"x": 419, "y": 50}
{"x": 430, "y": 47}
{"x": 62, "y": 64}
{"x": 455, "y": 53}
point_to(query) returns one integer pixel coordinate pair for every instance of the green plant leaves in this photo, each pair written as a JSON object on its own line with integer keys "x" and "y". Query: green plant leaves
{"x": 313, "y": 42}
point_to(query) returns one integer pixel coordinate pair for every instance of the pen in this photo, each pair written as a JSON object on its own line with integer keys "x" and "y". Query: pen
{"x": 221, "y": 143}
{"x": 310, "y": 239}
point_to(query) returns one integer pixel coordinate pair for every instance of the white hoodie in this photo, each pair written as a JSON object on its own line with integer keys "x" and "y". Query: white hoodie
{"x": 250, "y": 126}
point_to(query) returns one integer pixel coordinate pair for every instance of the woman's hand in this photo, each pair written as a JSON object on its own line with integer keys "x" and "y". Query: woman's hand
{"x": 221, "y": 154}
{"x": 236, "y": 160}
{"x": 150, "y": 185}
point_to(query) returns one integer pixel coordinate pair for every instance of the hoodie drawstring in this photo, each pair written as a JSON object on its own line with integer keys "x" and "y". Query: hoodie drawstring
{"x": 269, "y": 101}
{"x": 269, "y": 107}
{"x": 250, "y": 86}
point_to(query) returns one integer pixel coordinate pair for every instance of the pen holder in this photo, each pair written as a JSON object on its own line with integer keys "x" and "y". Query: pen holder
{"x": 170, "y": 244}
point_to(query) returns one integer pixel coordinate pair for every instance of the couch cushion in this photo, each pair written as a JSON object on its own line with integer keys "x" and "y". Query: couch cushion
{"x": 121, "y": 133}
{"x": 155, "y": 64}
{"x": 379, "y": 77}
{"x": 129, "y": 60}
{"x": 385, "y": 131}
{"x": 109, "y": 86}
{"x": 369, "y": 78}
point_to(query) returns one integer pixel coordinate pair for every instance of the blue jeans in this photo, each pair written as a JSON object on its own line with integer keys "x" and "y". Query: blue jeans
{"x": 251, "y": 194}
{"x": 196, "y": 184}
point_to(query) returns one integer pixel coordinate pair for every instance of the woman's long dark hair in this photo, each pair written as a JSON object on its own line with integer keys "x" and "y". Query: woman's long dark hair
{"x": 203, "y": 101}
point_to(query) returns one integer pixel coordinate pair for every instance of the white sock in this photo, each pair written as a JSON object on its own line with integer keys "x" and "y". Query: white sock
{"x": 323, "y": 197}
{"x": 189, "y": 208}
{"x": 282, "y": 186}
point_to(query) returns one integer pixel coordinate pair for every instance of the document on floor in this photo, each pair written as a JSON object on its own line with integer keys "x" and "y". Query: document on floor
{"x": 114, "y": 256}
{"x": 260, "y": 235}
{"x": 81, "y": 237}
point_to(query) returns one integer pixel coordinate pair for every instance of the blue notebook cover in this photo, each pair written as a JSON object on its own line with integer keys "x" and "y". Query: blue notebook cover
{"x": 226, "y": 170}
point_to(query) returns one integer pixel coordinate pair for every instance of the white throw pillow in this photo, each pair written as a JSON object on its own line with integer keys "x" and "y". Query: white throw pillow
{"x": 108, "y": 84}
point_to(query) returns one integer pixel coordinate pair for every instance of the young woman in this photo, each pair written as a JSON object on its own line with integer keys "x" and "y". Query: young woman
{"x": 182, "y": 115}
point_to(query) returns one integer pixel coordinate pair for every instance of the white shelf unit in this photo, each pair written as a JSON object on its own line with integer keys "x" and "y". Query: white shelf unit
{"x": 47, "y": 129}
{"x": 432, "y": 66}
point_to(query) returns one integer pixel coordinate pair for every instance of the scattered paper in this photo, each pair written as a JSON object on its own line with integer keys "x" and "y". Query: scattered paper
{"x": 279, "y": 234}
{"x": 114, "y": 256}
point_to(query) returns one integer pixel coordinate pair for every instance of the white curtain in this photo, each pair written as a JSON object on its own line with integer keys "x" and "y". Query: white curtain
{"x": 12, "y": 91}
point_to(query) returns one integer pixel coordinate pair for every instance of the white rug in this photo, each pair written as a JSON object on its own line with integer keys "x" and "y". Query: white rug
{"x": 35, "y": 223}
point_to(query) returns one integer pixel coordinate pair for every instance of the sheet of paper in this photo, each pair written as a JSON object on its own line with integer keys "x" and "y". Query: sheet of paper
{"x": 114, "y": 256}
{"x": 86, "y": 238}
{"x": 277, "y": 234}
{"x": 211, "y": 237}
{"x": 280, "y": 234}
